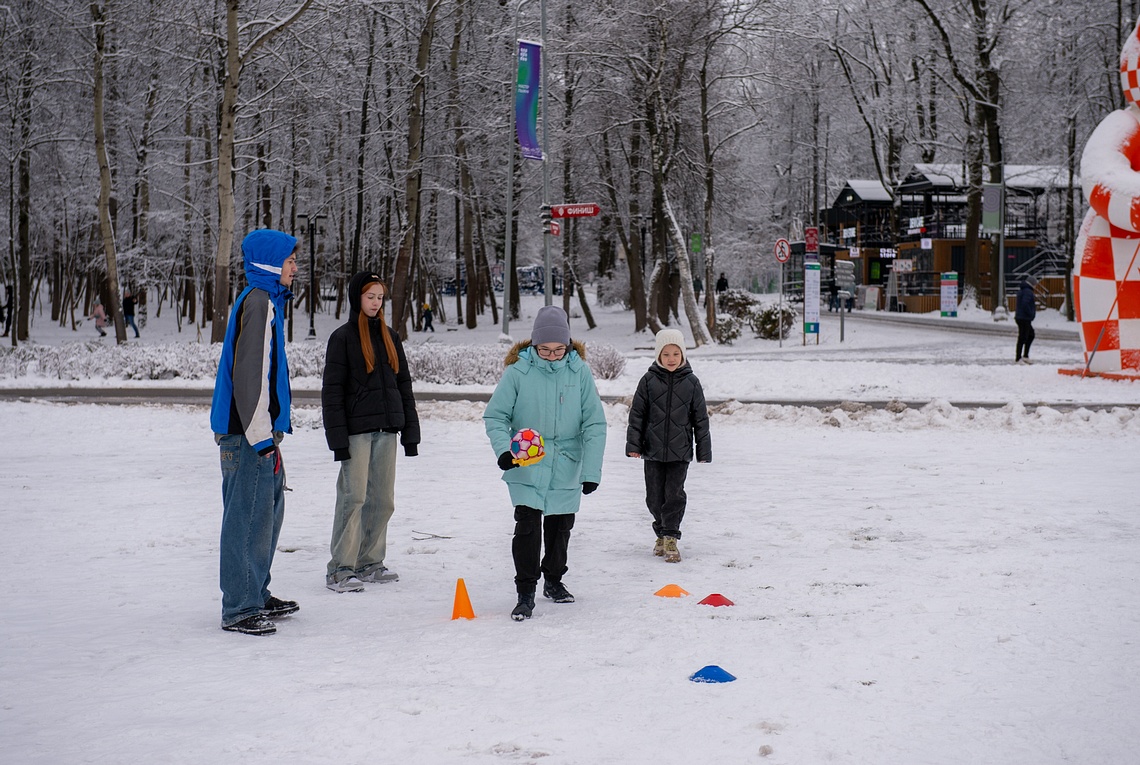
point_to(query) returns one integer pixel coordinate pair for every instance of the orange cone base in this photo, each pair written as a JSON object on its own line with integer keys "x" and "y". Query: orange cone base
{"x": 1122, "y": 375}
{"x": 671, "y": 591}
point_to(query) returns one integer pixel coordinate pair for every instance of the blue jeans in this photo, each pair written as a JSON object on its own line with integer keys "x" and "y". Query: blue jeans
{"x": 365, "y": 501}
{"x": 253, "y": 497}
{"x": 131, "y": 323}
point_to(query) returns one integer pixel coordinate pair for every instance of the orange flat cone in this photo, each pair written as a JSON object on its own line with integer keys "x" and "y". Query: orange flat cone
{"x": 716, "y": 599}
{"x": 462, "y": 608}
{"x": 671, "y": 591}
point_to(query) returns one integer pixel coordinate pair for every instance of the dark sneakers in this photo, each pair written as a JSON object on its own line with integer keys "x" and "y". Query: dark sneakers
{"x": 525, "y": 607}
{"x": 252, "y": 625}
{"x": 275, "y": 608}
{"x": 557, "y": 592}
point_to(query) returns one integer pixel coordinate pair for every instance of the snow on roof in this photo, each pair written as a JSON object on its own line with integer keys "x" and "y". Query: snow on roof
{"x": 947, "y": 175}
{"x": 870, "y": 191}
{"x": 867, "y": 191}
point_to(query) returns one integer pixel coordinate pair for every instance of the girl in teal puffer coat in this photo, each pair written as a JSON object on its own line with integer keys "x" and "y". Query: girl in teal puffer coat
{"x": 548, "y": 387}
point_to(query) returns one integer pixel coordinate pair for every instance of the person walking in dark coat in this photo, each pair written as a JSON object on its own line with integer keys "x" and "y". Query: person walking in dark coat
{"x": 667, "y": 413}
{"x": 721, "y": 283}
{"x": 428, "y": 326}
{"x": 366, "y": 402}
{"x": 129, "y": 312}
{"x": 1024, "y": 315}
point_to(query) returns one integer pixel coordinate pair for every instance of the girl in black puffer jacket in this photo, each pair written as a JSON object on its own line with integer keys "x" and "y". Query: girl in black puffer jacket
{"x": 366, "y": 400}
{"x": 668, "y": 411}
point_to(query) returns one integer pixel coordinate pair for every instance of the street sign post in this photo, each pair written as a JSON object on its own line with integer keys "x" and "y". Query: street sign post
{"x": 583, "y": 210}
{"x": 783, "y": 251}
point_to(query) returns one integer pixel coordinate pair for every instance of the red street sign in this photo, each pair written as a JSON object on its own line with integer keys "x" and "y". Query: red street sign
{"x": 586, "y": 210}
{"x": 783, "y": 250}
{"x": 811, "y": 239}
{"x": 555, "y": 229}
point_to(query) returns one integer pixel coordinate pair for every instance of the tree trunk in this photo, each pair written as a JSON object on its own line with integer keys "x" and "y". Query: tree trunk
{"x": 99, "y": 16}
{"x": 413, "y": 173}
{"x": 224, "y": 251}
{"x": 355, "y": 266}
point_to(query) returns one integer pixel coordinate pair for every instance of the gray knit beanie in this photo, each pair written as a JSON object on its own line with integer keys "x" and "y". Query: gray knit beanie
{"x": 550, "y": 326}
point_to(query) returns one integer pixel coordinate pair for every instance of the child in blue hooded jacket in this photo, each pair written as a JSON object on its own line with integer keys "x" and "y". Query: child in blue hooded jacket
{"x": 249, "y": 417}
{"x": 548, "y": 387}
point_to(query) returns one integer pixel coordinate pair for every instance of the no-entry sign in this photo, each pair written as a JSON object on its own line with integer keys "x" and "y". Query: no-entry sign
{"x": 783, "y": 250}
{"x": 585, "y": 210}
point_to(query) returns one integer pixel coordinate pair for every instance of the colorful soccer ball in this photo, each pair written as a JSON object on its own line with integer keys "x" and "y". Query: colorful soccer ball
{"x": 527, "y": 447}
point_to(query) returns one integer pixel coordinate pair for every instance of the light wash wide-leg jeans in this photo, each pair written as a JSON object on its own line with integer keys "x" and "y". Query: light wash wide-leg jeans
{"x": 365, "y": 501}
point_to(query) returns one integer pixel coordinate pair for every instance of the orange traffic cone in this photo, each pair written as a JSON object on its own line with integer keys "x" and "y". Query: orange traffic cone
{"x": 672, "y": 591}
{"x": 462, "y": 608}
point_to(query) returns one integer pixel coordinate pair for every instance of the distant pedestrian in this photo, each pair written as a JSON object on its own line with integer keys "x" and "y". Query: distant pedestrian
{"x": 99, "y": 314}
{"x": 9, "y": 308}
{"x": 1024, "y": 315}
{"x": 833, "y": 301}
{"x": 250, "y": 416}
{"x": 129, "y": 312}
{"x": 667, "y": 414}
{"x": 721, "y": 283}
{"x": 698, "y": 286}
{"x": 366, "y": 406}
{"x": 427, "y": 319}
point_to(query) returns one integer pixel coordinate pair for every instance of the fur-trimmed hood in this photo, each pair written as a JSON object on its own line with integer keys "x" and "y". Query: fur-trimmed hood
{"x": 517, "y": 348}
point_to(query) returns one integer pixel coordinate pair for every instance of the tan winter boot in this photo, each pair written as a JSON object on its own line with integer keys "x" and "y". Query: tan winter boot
{"x": 672, "y": 554}
{"x": 659, "y": 547}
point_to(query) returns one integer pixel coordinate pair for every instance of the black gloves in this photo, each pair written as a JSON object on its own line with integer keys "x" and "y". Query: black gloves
{"x": 506, "y": 461}
{"x": 589, "y": 487}
{"x": 340, "y": 455}
{"x": 411, "y": 450}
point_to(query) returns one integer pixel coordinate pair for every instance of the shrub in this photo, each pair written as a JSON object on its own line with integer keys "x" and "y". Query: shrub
{"x": 774, "y": 322}
{"x": 727, "y": 328}
{"x": 738, "y": 304}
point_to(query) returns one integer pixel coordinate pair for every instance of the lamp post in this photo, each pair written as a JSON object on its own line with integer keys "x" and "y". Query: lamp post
{"x": 309, "y": 224}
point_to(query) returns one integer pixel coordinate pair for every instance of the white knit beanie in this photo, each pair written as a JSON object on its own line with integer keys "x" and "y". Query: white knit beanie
{"x": 668, "y": 337}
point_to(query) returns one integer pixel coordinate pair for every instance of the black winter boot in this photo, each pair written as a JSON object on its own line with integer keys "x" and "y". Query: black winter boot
{"x": 525, "y": 607}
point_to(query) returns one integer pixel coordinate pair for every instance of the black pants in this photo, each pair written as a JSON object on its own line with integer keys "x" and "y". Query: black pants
{"x": 1025, "y": 335}
{"x": 526, "y": 547}
{"x": 665, "y": 496}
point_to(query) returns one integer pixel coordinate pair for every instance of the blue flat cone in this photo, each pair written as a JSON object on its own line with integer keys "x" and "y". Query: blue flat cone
{"x": 711, "y": 674}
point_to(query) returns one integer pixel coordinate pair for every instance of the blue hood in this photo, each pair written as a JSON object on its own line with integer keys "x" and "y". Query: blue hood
{"x": 265, "y": 251}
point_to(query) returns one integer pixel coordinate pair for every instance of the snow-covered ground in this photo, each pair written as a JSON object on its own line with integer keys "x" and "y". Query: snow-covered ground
{"x": 933, "y": 585}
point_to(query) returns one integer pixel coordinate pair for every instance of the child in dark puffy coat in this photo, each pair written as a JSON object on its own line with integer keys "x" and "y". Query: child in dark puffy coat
{"x": 667, "y": 413}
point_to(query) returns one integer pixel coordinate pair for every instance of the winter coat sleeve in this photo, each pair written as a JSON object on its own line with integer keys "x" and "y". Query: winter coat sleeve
{"x": 699, "y": 417}
{"x": 252, "y": 351}
{"x": 638, "y": 411}
{"x": 410, "y": 433}
{"x": 334, "y": 384}
{"x": 593, "y": 431}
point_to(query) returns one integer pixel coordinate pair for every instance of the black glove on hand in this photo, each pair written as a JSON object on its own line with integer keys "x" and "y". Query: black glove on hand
{"x": 589, "y": 487}
{"x": 506, "y": 461}
{"x": 411, "y": 450}
{"x": 340, "y": 455}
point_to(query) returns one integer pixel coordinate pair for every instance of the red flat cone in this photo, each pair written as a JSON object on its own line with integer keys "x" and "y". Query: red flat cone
{"x": 716, "y": 599}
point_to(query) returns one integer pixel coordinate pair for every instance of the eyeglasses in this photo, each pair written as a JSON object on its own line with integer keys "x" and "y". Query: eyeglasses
{"x": 556, "y": 352}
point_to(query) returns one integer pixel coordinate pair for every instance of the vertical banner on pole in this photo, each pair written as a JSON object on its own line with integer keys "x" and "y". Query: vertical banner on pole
{"x": 811, "y": 300}
{"x": 527, "y": 89}
{"x": 950, "y": 293}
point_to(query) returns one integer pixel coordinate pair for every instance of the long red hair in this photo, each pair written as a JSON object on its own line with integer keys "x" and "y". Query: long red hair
{"x": 385, "y": 336}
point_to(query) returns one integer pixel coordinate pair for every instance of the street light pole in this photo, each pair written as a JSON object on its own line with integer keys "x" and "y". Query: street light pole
{"x": 308, "y": 227}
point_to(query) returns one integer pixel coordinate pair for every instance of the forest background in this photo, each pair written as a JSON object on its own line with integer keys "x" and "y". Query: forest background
{"x": 143, "y": 138}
